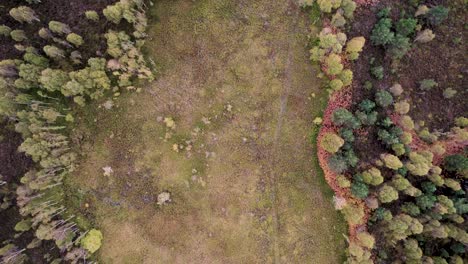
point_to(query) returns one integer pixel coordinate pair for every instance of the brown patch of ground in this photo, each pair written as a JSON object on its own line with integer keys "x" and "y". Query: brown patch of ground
{"x": 12, "y": 164}
{"x": 442, "y": 59}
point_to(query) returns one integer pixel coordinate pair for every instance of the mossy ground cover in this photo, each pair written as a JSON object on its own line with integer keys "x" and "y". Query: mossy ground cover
{"x": 225, "y": 129}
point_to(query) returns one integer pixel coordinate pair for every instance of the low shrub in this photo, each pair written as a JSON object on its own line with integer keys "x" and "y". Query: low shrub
{"x": 383, "y": 98}
{"x": 54, "y": 52}
{"x": 365, "y": 240}
{"x": 377, "y": 72}
{"x": 406, "y": 122}
{"x": 427, "y": 136}
{"x": 427, "y": 84}
{"x": 400, "y": 183}
{"x": 406, "y": 26}
{"x": 419, "y": 163}
{"x": 382, "y": 33}
{"x": 338, "y": 163}
{"x": 372, "y": 176}
{"x": 387, "y": 194}
{"x": 114, "y": 13}
{"x": 53, "y": 80}
{"x": 396, "y": 89}
{"x": 411, "y": 209}
{"x": 367, "y": 119}
{"x": 461, "y": 121}
{"x": 391, "y": 161}
{"x": 399, "y": 46}
{"x": 75, "y": 39}
{"x": 359, "y": 188}
{"x": 92, "y": 15}
{"x": 350, "y": 157}
{"x": 121, "y": 10}
{"x": 437, "y": 14}
{"x": 367, "y": 105}
{"x": 399, "y": 149}
{"x": 348, "y": 7}
{"x": 343, "y": 182}
{"x": 347, "y": 135}
{"x": 413, "y": 252}
{"x": 23, "y": 14}
{"x": 331, "y": 142}
{"x": 327, "y": 6}
{"x": 457, "y": 162}
{"x": 402, "y": 107}
{"x": 354, "y": 47}
{"x": 5, "y": 30}
{"x": 449, "y": 93}
{"x": 346, "y": 77}
{"x": 353, "y": 213}
{"x": 333, "y": 64}
{"x": 425, "y": 36}
{"x": 452, "y": 184}
{"x": 338, "y": 20}
{"x": 92, "y": 240}
{"x": 342, "y": 117}
{"x": 59, "y": 27}
{"x": 406, "y": 138}
{"x": 336, "y": 84}
{"x": 18, "y": 35}
{"x": 357, "y": 254}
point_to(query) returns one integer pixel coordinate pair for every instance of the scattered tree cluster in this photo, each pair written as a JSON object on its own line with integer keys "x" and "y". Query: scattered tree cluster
{"x": 332, "y": 48}
{"x": 397, "y": 36}
{"x": 417, "y": 204}
{"x": 37, "y": 94}
{"x": 418, "y": 208}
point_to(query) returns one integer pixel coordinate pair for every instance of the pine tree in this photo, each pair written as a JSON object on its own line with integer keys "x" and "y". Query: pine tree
{"x": 23, "y": 14}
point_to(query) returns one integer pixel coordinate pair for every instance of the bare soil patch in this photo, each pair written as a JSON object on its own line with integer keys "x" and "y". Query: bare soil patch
{"x": 442, "y": 59}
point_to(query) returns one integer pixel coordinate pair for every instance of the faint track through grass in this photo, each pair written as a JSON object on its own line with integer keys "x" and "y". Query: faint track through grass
{"x": 236, "y": 80}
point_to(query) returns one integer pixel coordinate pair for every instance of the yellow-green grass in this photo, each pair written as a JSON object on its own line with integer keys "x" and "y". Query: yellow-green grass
{"x": 245, "y": 187}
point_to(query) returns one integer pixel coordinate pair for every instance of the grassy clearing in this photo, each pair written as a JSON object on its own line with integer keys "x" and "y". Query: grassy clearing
{"x": 236, "y": 81}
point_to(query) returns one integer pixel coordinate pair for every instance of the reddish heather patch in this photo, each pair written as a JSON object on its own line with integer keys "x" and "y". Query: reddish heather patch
{"x": 422, "y": 62}
{"x": 342, "y": 98}
{"x": 452, "y": 145}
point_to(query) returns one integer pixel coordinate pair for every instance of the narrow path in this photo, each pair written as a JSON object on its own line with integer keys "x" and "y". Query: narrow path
{"x": 224, "y": 129}
{"x": 276, "y": 148}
